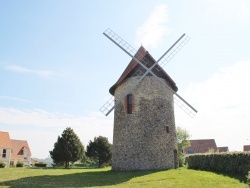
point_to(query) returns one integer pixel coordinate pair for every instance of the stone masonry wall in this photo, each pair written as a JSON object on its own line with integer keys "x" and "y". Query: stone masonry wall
{"x": 140, "y": 140}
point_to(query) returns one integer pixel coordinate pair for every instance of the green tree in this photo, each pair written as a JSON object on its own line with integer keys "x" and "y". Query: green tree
{"x": 182, "y": 142}
{"x": 68, "y": 148}
{"x": 100, "y": 151}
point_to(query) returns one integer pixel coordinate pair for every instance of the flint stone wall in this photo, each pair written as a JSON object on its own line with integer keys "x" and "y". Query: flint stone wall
{"x": 140, "y": 139}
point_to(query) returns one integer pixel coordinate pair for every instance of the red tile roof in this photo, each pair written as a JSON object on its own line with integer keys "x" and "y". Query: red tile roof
{"x": 5, "y": 140}
{"x": 132, "y": 65}
{"x": 201, "y": 146}
{"x": 18, "y": 146}
{"x": 223, "y": 149}
{"x": 246, "y": 148}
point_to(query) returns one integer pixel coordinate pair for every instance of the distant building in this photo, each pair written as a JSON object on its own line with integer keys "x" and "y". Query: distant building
{"x": 222, "y": 149}
{"x": 12, "y": 151}
{"x": 49, "y": 162}
{"x": 204, "y": 146}
{"x": 200, "y": 146}
{"x": 5, "y": 148}
{"x": 246, "y": 148}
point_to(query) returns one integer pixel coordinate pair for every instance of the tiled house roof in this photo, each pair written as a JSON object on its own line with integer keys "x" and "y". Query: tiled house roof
{"x": 5, "y": 140}
{"x": 18, "y": 146}
{"x": 246, "y": 148}
{"x": 222, "y": 149}
{"x": 133, "y": 65}
{"x": 200, "y": 146}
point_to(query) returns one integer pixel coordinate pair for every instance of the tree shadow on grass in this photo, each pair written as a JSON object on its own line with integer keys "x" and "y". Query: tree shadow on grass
{"x": 82, "y": 179}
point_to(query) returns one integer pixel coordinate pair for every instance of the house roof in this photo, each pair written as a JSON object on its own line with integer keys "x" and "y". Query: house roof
{"x": 5, "y": 140}
{"x": 18, "y": 146}
{"x": 201, "y": 146}
{"x": 223, "y": 149}
{"x": 133, "y": 65}
{"x": 246, "y": 148}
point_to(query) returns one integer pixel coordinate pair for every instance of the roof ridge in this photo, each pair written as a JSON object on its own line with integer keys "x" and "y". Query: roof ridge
{"x": 4, "y": 131}
{"x": 18, "y": 140}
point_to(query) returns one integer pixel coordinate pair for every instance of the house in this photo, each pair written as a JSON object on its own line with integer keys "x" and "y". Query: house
{"x": 5, "y": 148}
{"x": 200, "y": 146}
{"x": 20, "y": 152}
{"x": 12, "y": 151}
{"x": 246, "y": 148}
{"x": 223, "y": 149}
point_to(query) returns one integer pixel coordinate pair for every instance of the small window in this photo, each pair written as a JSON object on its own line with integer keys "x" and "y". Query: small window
{"x": 167, "y": 129}
{"x": 4, "y": 153}
{"x": 25, "y": 154}
{"x": 129, "y": 103}
{"x": 190, "y": 151}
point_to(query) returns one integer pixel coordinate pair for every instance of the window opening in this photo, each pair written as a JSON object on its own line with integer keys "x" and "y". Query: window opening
{"x": 129, "y": 103}
{"x": 190, "y": 151}
{"x": 167, "y": 129}
{"x": 4, "y": 153}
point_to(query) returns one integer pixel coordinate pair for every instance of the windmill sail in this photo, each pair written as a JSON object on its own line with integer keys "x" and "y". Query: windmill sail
{"x": 143, "y": 61}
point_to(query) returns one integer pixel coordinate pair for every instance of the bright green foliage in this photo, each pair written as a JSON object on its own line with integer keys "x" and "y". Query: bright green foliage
{"x": 182, "y": 142}
{"x": 68, "y": 148}
{"x": 2, "y": 164}
{"x": 100, "y": 151}
{"x": 229, "y": 162}
{"x": 19, "y": 164}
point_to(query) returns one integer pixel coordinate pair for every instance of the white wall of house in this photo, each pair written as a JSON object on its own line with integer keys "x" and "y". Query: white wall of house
{"x": 5, "y": 155}
{"x": 25, "y": 158}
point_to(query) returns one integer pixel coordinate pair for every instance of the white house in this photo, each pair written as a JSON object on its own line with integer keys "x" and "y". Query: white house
{"x": 12, "y": 151}
{"x": 5, "y": 148}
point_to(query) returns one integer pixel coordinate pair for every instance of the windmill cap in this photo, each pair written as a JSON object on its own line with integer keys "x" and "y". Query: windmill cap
{"x": 131, "y": 66}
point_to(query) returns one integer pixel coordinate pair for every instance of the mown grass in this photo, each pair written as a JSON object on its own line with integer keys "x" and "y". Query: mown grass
{"x": 25, "y": 177}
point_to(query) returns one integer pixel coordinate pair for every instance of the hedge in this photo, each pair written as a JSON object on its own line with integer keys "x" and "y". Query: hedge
{"x": 228, "y": 162}
{"x": 40, "y": 165}
{"x": 248, "y": 179}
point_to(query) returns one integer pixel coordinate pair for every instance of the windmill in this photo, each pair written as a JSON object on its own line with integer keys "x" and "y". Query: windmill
{"x": 144, "y": 135}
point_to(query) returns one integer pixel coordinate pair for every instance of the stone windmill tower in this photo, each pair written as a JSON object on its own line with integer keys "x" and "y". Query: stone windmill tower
{"x": 144, "y": 136}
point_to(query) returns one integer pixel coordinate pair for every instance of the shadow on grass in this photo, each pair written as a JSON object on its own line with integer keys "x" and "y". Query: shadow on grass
{"x": 82, "y": 179}
{"x": 241, "y": 178}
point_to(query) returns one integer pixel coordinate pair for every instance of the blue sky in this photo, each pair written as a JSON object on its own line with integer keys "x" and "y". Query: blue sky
{"x": 56, "y": 66}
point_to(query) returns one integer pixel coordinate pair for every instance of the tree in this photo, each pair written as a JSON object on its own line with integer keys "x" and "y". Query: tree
{"x": 68, "y": 148}
{"x": 182, "y": 142}
{"x": 100, "y": 151}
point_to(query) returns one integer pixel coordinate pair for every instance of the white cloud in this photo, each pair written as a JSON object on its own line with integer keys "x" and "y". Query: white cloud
{"x": 154, "y": 28}
{"x": 223, "y": 105}
{"x": 41, "y": 73}
{"x": 44, "y": 127}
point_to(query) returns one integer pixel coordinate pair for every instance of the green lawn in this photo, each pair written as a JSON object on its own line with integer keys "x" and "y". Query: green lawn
{"x": 25, "y": 177}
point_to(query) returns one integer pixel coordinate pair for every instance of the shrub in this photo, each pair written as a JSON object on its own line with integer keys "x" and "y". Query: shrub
{"x": 19, "y": 164}
{"x": 2, "y": 164}
{"x": 248, "y": 179}
{"x": 40, "y": 165}
{"x": 229, "y": 162}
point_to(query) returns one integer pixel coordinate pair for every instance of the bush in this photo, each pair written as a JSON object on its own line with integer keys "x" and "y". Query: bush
{"x": 248, "y": 179}
{"x": 40, "y": 165}
{"x": 2, "y": 164}
{"x": 229, "y": 162}
{"x": 182, "y": 161}
{"x": 85, "y": 165}
{"x": 19, "y": 164}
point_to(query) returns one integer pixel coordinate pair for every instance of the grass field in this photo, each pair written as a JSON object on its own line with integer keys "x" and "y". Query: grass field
{"x": 28, "y": 177}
